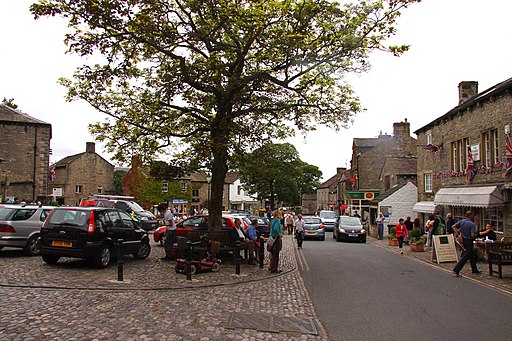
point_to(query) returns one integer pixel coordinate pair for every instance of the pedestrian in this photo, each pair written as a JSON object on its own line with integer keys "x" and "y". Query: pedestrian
{"x": 401, "y": 232}
{"x": 170, "y": 234}
{"x": 380, "y": 225}
{"x": 417, "y": 225}
{"x": 488, "y": 233}
{"x": 299, "y": 230}
{"x": 238, "y": 234}
{"x": 276, "y": 233}
{"x": 429, "y": 227}
{"x": 467, "y": 229}
{"x": 449, "y": 223}
{"x": 289, "y": 222}
{"x": 409, "y": 225}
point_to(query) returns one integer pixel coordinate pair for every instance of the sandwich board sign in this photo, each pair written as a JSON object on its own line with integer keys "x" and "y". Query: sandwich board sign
{"x": 443, "y": 249}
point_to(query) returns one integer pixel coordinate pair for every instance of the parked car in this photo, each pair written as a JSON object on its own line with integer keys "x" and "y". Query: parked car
{"x": 349, "y": 228}
{"x": 313, "y": 228}
{"x": 147, "y": 220}
{"x": 263, "y": 225}
{"x": 197, "y": 222}
{"x": 91, "y": 233}
{"x": 20, "y": 226}
{"x": 329, "y": 219}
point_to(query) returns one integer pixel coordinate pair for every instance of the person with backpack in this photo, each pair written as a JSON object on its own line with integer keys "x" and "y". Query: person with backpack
{"x": 439, "y": 226}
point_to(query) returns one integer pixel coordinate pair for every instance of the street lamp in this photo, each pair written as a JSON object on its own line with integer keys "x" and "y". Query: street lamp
{"x": 208, "y": 180}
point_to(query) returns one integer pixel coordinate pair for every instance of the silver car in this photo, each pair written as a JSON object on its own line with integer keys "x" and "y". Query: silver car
{"x": 314, "y": 228}
{"x": 20, "y": 227}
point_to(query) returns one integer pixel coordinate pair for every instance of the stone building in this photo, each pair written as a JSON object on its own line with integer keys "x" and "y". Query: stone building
{"x": 327, "y": 194}
{"x": 24, "y": 156}
{"x": 477, "y": 130}
{"x": 80, "y": 175}
{"x": 309, "y": 204}
{"x": 377, "y": 164}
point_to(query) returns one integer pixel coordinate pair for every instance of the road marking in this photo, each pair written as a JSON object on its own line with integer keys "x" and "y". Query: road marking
{"x": 303, "y": 264}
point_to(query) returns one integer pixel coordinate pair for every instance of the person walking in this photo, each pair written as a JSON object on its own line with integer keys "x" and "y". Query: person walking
{"x": 449, "y": 223}
{"x": 467, "y": 229}
{"x": 289, "y": 222}
{"x": 380, "y": 225}
{"x": 276, "y": 232}
{"x": 299, "y": 230}
{"x": 170, "y": 234}
{"x": 401, "y": 232}
{"x": 409, "y": 225}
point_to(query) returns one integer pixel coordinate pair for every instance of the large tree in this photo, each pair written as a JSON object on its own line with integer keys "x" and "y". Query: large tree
{"x": 207, "y": 79}
{"x": 275, "y": 171}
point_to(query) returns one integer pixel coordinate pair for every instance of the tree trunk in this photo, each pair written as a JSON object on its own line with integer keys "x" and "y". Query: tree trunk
{"x": 219, "y": 171}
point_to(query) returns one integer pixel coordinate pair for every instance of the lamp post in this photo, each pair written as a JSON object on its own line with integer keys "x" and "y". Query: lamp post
{"x": 208, "y": 180}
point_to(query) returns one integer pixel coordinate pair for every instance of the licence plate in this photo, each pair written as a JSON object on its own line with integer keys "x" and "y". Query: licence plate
{"x": 62, "y": 244}
{"x": 310, "y": 232}
{"x": 353, "y": 235}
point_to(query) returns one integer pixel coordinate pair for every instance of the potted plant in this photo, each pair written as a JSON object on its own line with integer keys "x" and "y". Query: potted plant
{"x": 417, "y": 242}
{"x": 392, "y": 241}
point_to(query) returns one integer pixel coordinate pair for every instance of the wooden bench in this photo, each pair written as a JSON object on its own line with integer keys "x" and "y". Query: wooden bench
{"x": 499, "y": 253}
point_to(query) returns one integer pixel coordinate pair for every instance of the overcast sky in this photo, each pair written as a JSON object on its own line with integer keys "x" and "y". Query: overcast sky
{"x": 451, "y": 41}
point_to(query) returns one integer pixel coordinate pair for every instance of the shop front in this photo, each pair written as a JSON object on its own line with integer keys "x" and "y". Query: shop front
{"x": 489, "y": 203}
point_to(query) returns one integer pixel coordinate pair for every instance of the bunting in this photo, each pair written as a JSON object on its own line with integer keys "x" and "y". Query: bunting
{"x": 432, "y": 148}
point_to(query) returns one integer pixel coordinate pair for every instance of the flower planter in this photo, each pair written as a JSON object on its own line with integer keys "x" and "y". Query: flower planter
{"x": 417, "y": 247}
{"x": 392, "y": 242}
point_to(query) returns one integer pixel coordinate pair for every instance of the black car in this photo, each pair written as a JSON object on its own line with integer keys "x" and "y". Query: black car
{"x": 92, "y": 233}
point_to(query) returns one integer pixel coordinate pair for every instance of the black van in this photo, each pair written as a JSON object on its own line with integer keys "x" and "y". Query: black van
{"x": 92, "y": 233}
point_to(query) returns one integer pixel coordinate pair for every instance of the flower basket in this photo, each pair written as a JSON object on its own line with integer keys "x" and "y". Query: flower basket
{"x": 392, "y": 242}
{"x": 417, "y": 243}
{"x": 417, "y": 247}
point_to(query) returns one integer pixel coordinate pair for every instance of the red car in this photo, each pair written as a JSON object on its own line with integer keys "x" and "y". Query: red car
{"x": 196, "y": 222}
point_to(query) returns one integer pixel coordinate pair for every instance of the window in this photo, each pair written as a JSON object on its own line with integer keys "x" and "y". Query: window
{"x": 78, "y": 189}
{"x": 195, "y": 192}
{"x": 23, "y": 214}
{"x": 459, "y": 155}
{"x": 490, "y": 146}
{"x": 100, "y": 189}
{"x": 429, "y": 137}
{"x": 165, "y": 187}
{"x": 239, "y": 190}
{"x": 183, "y": 186}
{"x": 494, "y": 217}
{"x": 428, "y": 182}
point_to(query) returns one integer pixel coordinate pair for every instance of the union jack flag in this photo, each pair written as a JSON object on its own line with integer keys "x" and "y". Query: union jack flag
{"x": 471, "y": 169}
{"x": 508, "y": 155}
{"x": 431, "y": 147}
{"x": 53, "y": 174}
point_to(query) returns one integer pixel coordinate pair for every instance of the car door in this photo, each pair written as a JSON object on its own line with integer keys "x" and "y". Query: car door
{"x": 24, "y": 224}
{"x": 130, "y": 233}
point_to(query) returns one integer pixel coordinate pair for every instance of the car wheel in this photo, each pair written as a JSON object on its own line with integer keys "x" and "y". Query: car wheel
{"x": 50, "y": 259}
{"x": 33, "y": 246}
{"x": 338, "y": 238}
{"x": 103, "y": 258}
{"x": 192, "y": 269}
{"x": 215, "y": 267}
{"x": 363, "y": 240}
{"x": 144, "y": 251}
{"x": 162, "y": 240}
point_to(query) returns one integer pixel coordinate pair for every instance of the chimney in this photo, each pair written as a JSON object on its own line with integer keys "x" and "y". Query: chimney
{"x": 402, "y": 130}
{"x": 90, "y": 147}
{"x": 467, "y": 90}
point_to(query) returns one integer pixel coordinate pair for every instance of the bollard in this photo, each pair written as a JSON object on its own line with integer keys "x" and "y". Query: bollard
{"x": 237, "y": 258}
{"x": 261, "y": 254}
{"x": 120, "y": 260}
{"x": 188, "y": 261}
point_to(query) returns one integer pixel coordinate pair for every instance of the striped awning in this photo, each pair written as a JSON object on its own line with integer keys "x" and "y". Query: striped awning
{"x": 483, "y": 196}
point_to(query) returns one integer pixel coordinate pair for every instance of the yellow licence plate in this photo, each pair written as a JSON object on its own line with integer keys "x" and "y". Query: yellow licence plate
{"x": 62, "y": 244}
{"x": 310, "y": 232}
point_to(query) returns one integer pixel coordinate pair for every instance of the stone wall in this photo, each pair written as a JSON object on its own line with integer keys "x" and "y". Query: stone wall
{"x": 24, "y": 151}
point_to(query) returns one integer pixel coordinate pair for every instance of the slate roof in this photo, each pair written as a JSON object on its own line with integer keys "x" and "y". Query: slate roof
{"x": 370, "y": 141}
{"x": 331, "y": 183}
{"x": 8, "y": 114}
{"x": 493, "y": 91}
{"x": 401, "y": 164}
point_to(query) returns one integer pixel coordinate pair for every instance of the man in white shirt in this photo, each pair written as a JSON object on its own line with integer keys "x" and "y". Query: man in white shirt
{"x": 299, "y": 230}
{"x": 170, "y": 235}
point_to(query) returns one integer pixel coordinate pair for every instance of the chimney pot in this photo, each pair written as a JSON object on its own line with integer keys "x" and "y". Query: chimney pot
{"x": 467, "y": 90}
{"x": 90, "y": 147}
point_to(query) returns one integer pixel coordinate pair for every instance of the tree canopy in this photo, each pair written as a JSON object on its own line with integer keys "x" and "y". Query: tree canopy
{"x": 275, "y": 171}
{"x": 209, "y": 79}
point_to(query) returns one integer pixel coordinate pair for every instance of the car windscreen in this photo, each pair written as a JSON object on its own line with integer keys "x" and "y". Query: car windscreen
{"x": 68, "y": 218}
{"x": 5, "y": 212}
{"x": 312, "y": 220}
{"x": 328, "y": 214}
{"x": 135, "y": 207}
{"x": 350, "y": 221}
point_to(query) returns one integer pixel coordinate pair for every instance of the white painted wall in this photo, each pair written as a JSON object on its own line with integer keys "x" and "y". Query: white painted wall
{"x": 401, "y": 203}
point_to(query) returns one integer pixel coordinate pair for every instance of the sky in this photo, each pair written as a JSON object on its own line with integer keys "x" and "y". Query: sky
{"x": 451, "y": 41}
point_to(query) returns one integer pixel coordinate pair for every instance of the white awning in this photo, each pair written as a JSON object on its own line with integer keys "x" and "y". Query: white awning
{"x": 486, "y": 196}
{"x": 424, "y": 207}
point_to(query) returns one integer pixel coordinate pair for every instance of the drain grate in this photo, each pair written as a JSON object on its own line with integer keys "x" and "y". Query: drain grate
{"x": 272, "y": 323}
